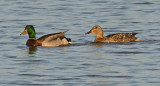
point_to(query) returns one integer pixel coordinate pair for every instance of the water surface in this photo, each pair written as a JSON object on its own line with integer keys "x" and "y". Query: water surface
{"x": 84, "y": 63}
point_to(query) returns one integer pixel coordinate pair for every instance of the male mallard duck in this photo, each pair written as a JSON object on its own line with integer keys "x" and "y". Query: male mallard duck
{"x": 118, "y": 37}
{"x": 54, "y": 39}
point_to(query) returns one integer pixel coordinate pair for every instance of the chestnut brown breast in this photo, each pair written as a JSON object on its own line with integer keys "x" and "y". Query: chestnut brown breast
{"x": 33, "y": 42}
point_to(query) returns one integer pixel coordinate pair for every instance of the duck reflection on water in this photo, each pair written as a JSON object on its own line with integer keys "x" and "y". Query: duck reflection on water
{"x": 32, "y": 49}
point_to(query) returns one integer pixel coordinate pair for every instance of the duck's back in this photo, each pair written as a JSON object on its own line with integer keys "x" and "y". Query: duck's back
{"x": 50, "y": 37}
{"x": 54, "y": 39}
{"x": 121, "y": 37}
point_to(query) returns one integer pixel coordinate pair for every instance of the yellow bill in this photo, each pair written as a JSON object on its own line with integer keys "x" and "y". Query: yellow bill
{"x": 25, "y": 32}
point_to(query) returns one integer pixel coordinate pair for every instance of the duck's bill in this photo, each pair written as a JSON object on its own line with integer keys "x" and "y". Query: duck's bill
{"x": 23, "y": 33}
{"x": 88, "y": 33}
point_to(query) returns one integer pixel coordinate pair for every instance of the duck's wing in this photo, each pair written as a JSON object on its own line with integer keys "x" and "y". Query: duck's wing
{"x": 123, "y": 37}
{"x": 55, "y": 39}
{"x": 51, "y": 37}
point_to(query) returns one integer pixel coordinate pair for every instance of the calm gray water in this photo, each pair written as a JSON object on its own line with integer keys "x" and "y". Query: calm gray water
{"x": 84, "y": 63}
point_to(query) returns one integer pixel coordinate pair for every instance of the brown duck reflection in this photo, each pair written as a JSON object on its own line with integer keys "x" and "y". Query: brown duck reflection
{"x": 32, "y": 50}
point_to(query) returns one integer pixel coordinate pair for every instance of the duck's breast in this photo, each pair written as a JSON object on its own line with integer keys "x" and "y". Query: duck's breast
{"x": 33, "y": 42}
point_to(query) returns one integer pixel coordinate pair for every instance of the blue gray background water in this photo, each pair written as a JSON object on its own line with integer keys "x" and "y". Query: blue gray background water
{"x": 84, "y": 63}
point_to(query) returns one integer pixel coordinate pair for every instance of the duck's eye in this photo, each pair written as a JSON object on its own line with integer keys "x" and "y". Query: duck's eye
{"x": 95, "y": 28}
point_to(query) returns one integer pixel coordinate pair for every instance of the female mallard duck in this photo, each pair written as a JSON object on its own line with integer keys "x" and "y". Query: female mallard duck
{"x": 118, "y": 37}
{"x": 54, "y": 39}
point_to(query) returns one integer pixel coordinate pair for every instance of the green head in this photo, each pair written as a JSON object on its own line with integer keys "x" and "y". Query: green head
{"x": 30, "y": 30}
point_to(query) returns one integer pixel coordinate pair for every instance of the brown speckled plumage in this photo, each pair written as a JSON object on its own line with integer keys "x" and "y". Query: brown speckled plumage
{"x": 118, "y": 37}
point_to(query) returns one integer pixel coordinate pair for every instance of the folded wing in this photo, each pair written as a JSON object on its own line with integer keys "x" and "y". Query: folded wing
{"x": 55, "y": 39}
{"x": 123, "y": 37}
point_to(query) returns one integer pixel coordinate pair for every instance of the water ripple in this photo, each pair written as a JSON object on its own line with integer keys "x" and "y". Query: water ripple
{"x": 131, "y": 52}
{"x": 84, "y": 63}
{"x": 102, "y": 76}
{"x": 144, "y": 3}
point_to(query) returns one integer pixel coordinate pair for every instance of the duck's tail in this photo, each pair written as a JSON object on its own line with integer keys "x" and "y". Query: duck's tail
{"x": 138, "y": 40}
{"x": 65, "y": 31}
{"x": 68, "y": 39}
